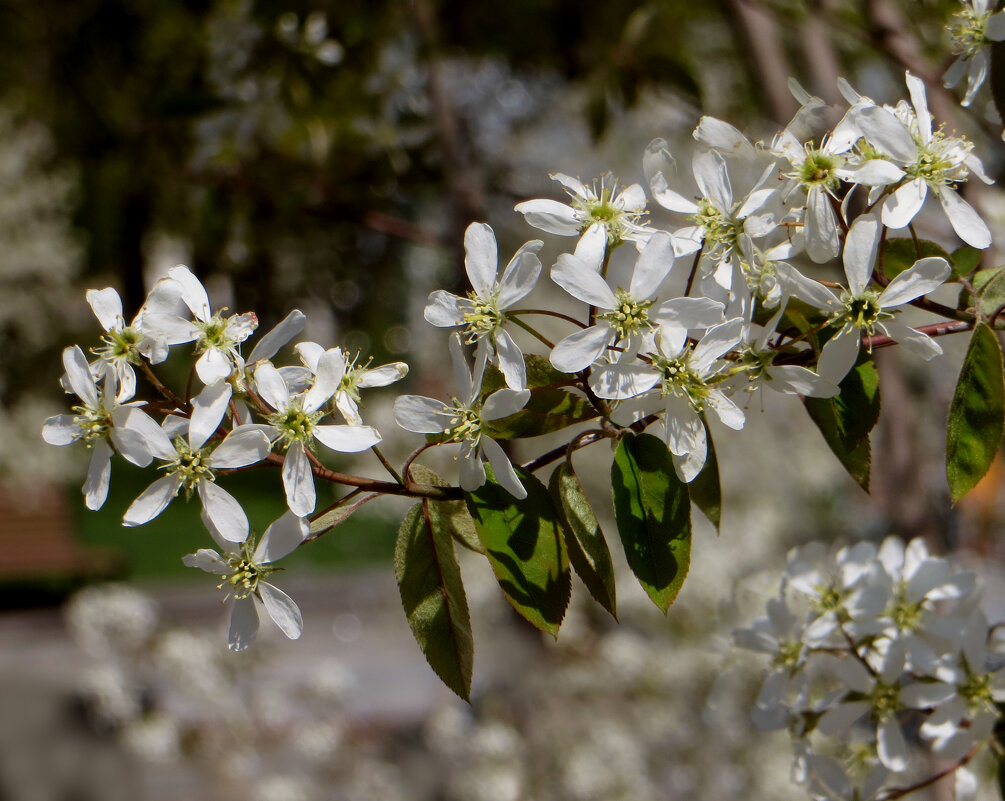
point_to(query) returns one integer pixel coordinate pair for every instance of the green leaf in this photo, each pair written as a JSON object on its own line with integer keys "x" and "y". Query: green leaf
{"x": 584, "y": 538}
{"x": 452, "y": 515}
{"x": 976, "y": 415}
{"x": 846, "y": 420}
{"x": 524, "y": 543}
{"x": 990, "y": 287}
{"x": 547, "y": 410}
{"x": 653, "y": 512}
{"x": 432, "y": 594}
{"x": 900, "y": 254}
{"x": 965, "y": 260}
{"x": 704, "y": 490}
{"x": 541, "y": 373}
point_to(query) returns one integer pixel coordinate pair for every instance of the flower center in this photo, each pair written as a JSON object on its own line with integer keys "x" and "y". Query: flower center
{"x": 941, "y": 160}
{"x": 906, "y": 614}
{"x": 831, "y": 598}
{"x": 465, "y": 425}
{"x": 722, "y": 230}
{"x": 93, "y": 421}
{"x": 678, "y": 378}
{"x": 629, "y": 315}
{"x": 599, "y": 205}
{"x": 863, "y": 311}
{"x": 122, "y": 345}
{"x": 790, "y": 655}
{"x": 190, "y": 465}
{"x": 483, "y": 319}
{"x": 967, "y": 29}
{"x": 885, "y": 700}
{"x": 294, "y": 424}
{"x": 976, "y": 691}
{"x": 244, "y": 575}
{"x": 214, "y": 334}
{"x": 818, "y": 169}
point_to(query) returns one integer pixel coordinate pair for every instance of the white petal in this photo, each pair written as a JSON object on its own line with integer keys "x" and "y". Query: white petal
{"x": 579, "y": 280}
{"x": 520, "y": 275}
{"x": 873, "y": 172}
{"x": 622, "y": 381}
{"x": 223, "y": 509}
{"x": 152, "y": 501}
{"x": 241, "y": 326}
{"x": 503, "y": 468}
{"x": 995, "y": 27}
{"x": 442, "y": 309}
{"x": 920, "y": 279}
{"x": 282, "y": 537}
{"x": 310, "y": 354}
{"x": 668, "y": 198}
{"x": 79, "y": 375}
{"x": 579, "y": 350}
{"x": 213, "y": 366}
{"x": 550, "y": 216}
{"x": 839, "y": 719}
{"x": 955, "y": 72}
{"x": 729, "y": 413}
{"x": 922, "y": 694}
{"x": 208, "y": 409}
{"x": 271, "y": 386}
{"x": 481, "y": 258}
{"x": 689, "y": 465}
{"x": 169, "y": 327}
{"x": 713, "y": 179}
{"x": 723, "y": 137}
{"x": 267, "y": 347}
{"x": 155, "y": 438}
{"x": 192, "y": 292}
{"x": 107, "y": 307}
{"x": 965, "y": 221}
{"x": 916, "y": 88}
{"x": 860, "y": 250}
{"x": 98, "y": 474}
{"x": 652, "y": 266}
{"x": 384, "y": 375}
{"x": 331, "y": 370}
{"x": 298, "y": 481}
{"x": 813, "y": 292}
{"x": 281, "y": 608}
{"x": 347, "y": 439}
{"x": 504, "y": 402}
{"x": 60, "y": 430}
{"x": 243, "y": 624}
{"x": 822, "y": 240}
{"x": 243, "y": 446}
{"x": 717, "y": 341}
{"x": 422, "y": 415}
{"x": 839, "y": 354}
{"x": 208, "y": 560}
{"x": 891, "y": 745}
{"x": 130, "y": 443}
{"x": 472, "y": 472}
{"x": 883, "y": 130}
{"x": 794, "y": 380}
{"x": 684, "y": 428}
{"x": 510, "y": 359}
{"x": 900, "y": 208}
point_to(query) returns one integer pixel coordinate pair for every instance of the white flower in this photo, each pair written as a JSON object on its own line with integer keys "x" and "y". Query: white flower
{"x": 124, "y": 345}
{"x": 627, "y": 315}
{"x": 717, "y": 220}
{"x": 463, "y": 421}
{"x": 97, "y": 421}
{"x": 190, "y": 462}
{"x": 829, "y": 781}
{"x": 217, "y": 337}
{"x": 592, "y": 209}
{"x": 931, "y": 160}
{"x": 482, "y": 314}
{"x": 678, "y": 383}
{"x": 973, "y": 28}
{"x": 862, "y": 310}
{"x": 295, "y": 425}
{"x": 244, "y": 573}
{"x": 355, "y": 376}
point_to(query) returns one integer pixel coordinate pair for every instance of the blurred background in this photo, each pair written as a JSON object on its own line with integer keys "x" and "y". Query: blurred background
{"x": 328, "y": 156}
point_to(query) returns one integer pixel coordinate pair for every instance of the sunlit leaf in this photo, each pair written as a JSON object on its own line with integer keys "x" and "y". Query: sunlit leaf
{"x": 976, "y": 415}
{"x": 588, "y": 551}
{"x": 653, "y": 512}
{"x": 432, "y": 594}
{"x": 524, "y": 543}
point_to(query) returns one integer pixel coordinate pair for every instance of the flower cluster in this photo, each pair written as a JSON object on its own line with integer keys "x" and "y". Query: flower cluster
{"x": 864, "y": 643}
{"x": 247, "y": 412}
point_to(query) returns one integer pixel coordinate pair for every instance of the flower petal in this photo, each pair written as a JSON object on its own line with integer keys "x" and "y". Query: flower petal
{"x": 207, "y": 559}
{"x": 839, "y": 354}
{"x": 713, "y": 179}
{"x": 422, "y": 415}
{"x": 504, "y": 402}
{"x": 208, "y": 409}
{"x": 282, "y": 537}
{"x": 224, "y": 511}
{"x": 860, "y": 248}
{"x": 331, "y": 370}
{"x": 98, "y": 474}
{"x": 78, "y": 373}
{"x": 281, "y": 608}
{"x": 347, "y": 439}
{"x": 243, "y": 624}
{"x": 579, "y": 350}
{"x": 481, "y": 258}
{"x": 920, "y": 279}
{"x": 152, "y": 501}
{"x": 583, "y": 283}
{"x": 213, "y": 366}
{"x": 510, "y": 358}
{"x": 298, "y": 481}
{"x": 900, "y": 208}
{"x": 503, "y": 468}
{"x": 267, "y": 347}
{"x": 192, "y": 292}
{"x": 652, "y": 266}
{"x": 443, "y": 309}
{"x": 965, "y": 221}
{"x": 271, "y": 386}
{"x": 60, "y": 429}
{"x": 107, "y": 307}
{"x": 521, "y": 274}
{"x": 550, "y": 216}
